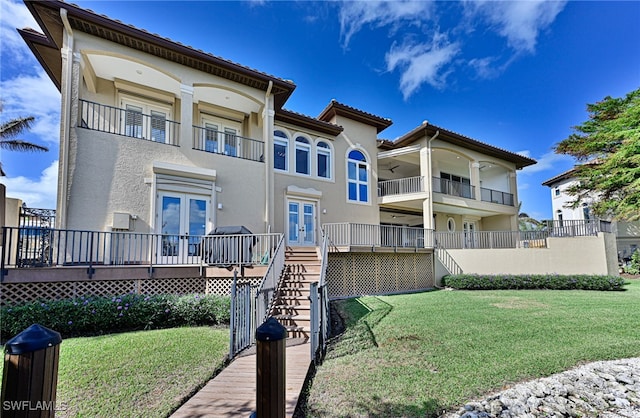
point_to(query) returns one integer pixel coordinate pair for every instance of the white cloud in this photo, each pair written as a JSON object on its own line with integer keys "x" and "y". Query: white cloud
{"x": 354, "y": 15}
{"x": 15, "y": 15}
{"x": 33, "y": 95}
{"x": 548, "y": 161}
{"x": 36, "y": 193}
{"x": 421, "y": 63}
{"x": 520, "y": 22}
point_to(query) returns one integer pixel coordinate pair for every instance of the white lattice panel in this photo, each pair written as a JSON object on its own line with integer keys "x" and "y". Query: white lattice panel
{"x": 354, "y": 274}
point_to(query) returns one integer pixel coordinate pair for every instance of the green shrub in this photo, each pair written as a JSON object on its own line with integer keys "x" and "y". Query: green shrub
{"x": 102, "y": 315}
{"x": 634, "y": 265}
{"x": 534, "y": 281}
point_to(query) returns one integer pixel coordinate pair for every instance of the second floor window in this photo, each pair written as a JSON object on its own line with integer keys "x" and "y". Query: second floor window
{"x": 145, "y": 119}
{"x": 280, "y": 151}
{"x": 357, "y": 177}
{"x": 221, "y": 136}
{"x": 303, "y": 156}
{"x": 324, "y": 160}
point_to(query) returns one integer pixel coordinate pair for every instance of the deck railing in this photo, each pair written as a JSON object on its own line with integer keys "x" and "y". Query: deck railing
{"x": 454, "y": 188}
{"x": 401, "y": 186}
{"x": 47, "y": 247}
{"x": 153, "y": 127}
{"x": 368, "y": 235}
{"x": 227, "y": 143}
{"x": 269, "y": 285}
{"x": 496, "y": 196}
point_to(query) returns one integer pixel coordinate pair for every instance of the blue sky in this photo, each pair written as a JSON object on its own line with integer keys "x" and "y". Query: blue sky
{"x": 517, "y": 75}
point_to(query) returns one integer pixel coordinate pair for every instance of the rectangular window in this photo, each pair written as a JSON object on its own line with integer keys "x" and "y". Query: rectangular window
{"x": 323, "y": 164}
{"x": 211, "y": 137}
{"x": 230, "y": 142}
{"x": 221, "y": 136}
{"x": 145, "y": 119}
{"x": 302, "y": 160}
{"x": 280, "y": 155}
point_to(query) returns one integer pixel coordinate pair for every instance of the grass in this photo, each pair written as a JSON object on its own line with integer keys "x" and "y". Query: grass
{"x": 141, "y": 374}
{"x": 420, "y": 354}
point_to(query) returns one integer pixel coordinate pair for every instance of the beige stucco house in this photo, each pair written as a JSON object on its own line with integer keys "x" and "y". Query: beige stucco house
{"x": 627, "y": 233}
{"x": 159, "y": 137}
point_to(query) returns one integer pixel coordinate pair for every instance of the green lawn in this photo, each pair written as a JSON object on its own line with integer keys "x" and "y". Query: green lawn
{"x": 137, "y": 374}
{"x": 419, "y": 354}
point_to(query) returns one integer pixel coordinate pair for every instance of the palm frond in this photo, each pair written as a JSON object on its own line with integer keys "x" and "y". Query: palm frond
{"x": 20, "y": 145}
{"x": 13, "y": 127}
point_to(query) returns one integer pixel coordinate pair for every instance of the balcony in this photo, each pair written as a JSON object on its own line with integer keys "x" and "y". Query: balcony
{"x": 33, "y": 247}
{"x": 126, "y": 122}
{"x": 372, "y": 237}
{"x": 401, "y": 186}
{"x": 495, "y": 196}
{"x": 453, "y": 188}
{"x": 227, "y": 143}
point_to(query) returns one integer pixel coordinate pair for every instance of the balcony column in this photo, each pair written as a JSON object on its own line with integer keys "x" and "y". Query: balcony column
{"x": 425, "y": 172}
{"x": 513, "y": 187}
{"x": 186, "y": 116}
{"x": 475, "y": 179}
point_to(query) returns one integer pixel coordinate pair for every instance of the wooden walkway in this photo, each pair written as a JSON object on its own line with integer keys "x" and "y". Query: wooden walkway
{"x": 232, "y": 393}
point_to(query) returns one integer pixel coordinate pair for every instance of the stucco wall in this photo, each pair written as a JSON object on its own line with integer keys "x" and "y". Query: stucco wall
{"x": 579, "y": 255}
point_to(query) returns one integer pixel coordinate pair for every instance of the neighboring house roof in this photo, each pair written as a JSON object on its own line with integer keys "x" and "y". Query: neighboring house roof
{"x": 308, "y": 122}
{"x": 335, "y": 108}
{"x": 429, "y": 130}
{"x": 47, "y": 47}
{"x": 560, "y": 177}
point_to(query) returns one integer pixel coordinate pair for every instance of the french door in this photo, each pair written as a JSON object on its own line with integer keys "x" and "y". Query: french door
{"x": 182, "y": 221}
{"x": 301, "y": 228}
{"x": 470, "y": 238}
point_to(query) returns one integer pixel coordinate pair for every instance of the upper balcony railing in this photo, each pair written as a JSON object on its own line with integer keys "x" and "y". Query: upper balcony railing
{"x": 454, "y": 188}
{"x": 128, "y": 122}
{"x": 227, "y": 143}
{"x": 495, "y": 196}
{"x": 401, "y": 186}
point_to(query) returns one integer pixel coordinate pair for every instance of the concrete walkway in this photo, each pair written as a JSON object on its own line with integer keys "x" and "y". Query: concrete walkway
{"x": 232, "y": 393}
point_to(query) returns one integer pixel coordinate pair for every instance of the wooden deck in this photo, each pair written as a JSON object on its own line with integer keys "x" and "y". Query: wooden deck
{"x": 232, "y": 393}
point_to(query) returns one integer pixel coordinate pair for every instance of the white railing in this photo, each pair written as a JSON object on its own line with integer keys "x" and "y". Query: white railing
{"x": 368, "y": 235}
{"x": 269, "y": 285}
{"x": 319, "y": 306}
{"x": 47, "y": 247}
{"x": 401, "y": 186}
{"x": 242, "y": 318}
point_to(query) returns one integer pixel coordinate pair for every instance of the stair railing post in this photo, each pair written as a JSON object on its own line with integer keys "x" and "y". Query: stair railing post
{"x": 271, "y": 369}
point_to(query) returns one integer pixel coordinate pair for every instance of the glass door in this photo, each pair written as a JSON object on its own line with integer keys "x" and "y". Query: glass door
{"x": 470, "y": 239}
{"x": 302, "y": 223}
{"x": 182, "y": 221}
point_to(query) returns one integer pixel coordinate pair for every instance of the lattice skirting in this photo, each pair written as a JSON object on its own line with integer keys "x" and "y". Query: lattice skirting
{"x": 355, "y": 274}
{"x": 25, "y": 292}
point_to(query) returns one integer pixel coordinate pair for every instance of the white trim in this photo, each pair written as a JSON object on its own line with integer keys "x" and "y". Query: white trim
{"x": 309, "y": 193}
{"x": 358, "y": 182}
{"x": 184, "y": 171}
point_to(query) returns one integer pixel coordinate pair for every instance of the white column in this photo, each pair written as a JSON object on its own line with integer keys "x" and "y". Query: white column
{"x": 425, "y": 172}
{"x": 186, "y": 116}
{"x": 475, "y": 179}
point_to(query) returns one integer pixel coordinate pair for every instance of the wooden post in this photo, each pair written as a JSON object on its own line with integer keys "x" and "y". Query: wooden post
{"x": 30, "y": 374}
{"x": 271, "y": 367}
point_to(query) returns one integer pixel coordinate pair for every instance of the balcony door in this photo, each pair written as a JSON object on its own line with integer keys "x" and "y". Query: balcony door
{"x": 301, "y": 229}
{"x": 470, "y": 237}
{"x": 222, "y": 136}
{"x": 182, "y": 220}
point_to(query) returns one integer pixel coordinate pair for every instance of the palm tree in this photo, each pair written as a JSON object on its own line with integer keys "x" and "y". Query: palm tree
{"x": 10, "y": 130}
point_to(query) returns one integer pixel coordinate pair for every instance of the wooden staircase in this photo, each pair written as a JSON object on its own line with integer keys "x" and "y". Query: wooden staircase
{"x": 292, "y": 306}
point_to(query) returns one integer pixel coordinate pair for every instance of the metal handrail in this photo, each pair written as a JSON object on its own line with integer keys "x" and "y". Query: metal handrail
{"x": 370, "y": 235}
{"x": 267, "y": 288}
{"x": 227, "y": 143}
{"x": 401, "y": 186}
{"x": 454, "y": 188}
{"x": 104, "y": 118}
{"x": 496, "y": 196}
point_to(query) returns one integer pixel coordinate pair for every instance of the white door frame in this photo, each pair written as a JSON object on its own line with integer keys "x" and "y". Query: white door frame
{"x": 303, "y": 238}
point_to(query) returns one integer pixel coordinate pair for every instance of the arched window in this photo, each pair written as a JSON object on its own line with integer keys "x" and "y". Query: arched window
{"x": 358, "y": 177}
{"x": 303, "y": 156}
{"x": 323, "y": 151}
{"x": 280, "y": 151}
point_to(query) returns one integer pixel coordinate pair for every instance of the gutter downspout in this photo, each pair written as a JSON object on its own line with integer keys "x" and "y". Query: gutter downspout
{"x": 266, "y": 134}
{"x": 65, "y": 121}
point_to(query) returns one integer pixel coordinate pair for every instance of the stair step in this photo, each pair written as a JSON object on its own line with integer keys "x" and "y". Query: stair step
{"x": 292, "y": 307}
{"x": 293, "y": 317}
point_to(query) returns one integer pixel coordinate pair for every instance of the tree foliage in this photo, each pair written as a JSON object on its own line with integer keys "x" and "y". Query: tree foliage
{"x": 607, "y": 147}
{"x": 8, "y": 132}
